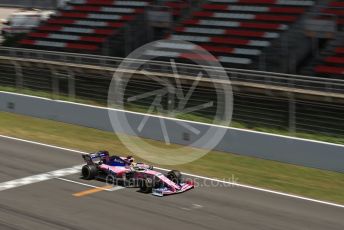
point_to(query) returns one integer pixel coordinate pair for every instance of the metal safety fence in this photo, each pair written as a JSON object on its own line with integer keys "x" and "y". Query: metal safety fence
{"x": 266, "y": 78}
{"x": 260, "y": 109}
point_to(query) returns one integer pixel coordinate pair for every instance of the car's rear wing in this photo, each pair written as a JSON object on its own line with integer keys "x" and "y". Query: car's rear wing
{"x": 93, "y": 157}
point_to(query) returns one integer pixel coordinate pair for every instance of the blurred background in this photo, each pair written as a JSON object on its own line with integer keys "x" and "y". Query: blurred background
{"x": 285, "y": 58}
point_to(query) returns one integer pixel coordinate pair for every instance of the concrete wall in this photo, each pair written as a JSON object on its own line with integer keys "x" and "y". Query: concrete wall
{"x": 267, "y": 146}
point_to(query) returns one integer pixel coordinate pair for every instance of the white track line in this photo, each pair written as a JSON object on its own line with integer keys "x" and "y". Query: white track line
{"x": 39, "y": 178}
{"x": 196, "y": 176}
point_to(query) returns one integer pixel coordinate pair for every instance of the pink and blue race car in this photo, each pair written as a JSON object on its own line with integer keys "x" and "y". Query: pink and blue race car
{"x": 124, "y": 171}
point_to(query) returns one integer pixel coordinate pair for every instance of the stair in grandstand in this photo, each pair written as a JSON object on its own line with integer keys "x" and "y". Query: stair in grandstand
{"x": 287, "y": 52}
{"x": 329, "y": 62}
{"x": 181, "y": 8}
{"x": 316, "y": 59}
{"x": 236, "y": 32}
{"x": 333, "y": 64}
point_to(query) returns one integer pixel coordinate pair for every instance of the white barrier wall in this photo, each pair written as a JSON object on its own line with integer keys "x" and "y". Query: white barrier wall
{"x": 267, "y": 146}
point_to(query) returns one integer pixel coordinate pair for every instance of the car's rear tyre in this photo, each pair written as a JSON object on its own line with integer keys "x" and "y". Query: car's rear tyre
{"x": 146, "y": 185}
{"x": 89, "y": 172}
{"x": 175, "y": 176}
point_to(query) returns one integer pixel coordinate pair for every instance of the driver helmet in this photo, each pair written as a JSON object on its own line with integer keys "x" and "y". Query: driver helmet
{"x": 130, "y": 159}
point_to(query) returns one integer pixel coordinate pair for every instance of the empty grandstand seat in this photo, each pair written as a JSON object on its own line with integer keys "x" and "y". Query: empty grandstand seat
{"x": 332, "y": 65}
{"x": 84, "y": 25}
{"x": 238, "y": 31}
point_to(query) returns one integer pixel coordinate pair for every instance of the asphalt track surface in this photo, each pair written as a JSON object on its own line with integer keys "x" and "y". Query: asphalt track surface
{"x": 50, "y": 204}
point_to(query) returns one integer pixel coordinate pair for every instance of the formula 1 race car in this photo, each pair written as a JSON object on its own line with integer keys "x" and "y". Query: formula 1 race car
{"x": 123, "y": 170}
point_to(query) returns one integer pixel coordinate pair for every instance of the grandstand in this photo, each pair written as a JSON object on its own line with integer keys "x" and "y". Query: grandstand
{"x": 85, "y": 25}
{"x": 238, "y": 32}
{"x": 244, "y": 34}
{"x": 266, "y": 35}
{"x": 96, "y": 26}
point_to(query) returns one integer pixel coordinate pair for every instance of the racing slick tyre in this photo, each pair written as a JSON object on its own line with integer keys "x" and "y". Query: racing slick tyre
{"x": 146, "y": 185}
{"x": 89, "y": 172}
{"x": 174, "y": 176}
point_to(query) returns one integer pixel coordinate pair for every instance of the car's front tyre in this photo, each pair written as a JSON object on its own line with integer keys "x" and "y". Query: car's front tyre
{"x": 175, "y": 176}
